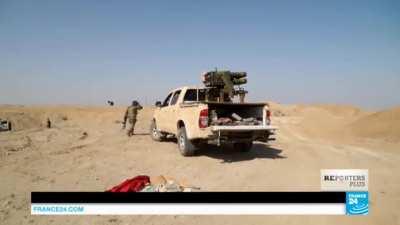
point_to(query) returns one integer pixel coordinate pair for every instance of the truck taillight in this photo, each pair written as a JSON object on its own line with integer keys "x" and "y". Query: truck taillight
{"x": 268, "y": 115}
{"x": 203, "y": 118}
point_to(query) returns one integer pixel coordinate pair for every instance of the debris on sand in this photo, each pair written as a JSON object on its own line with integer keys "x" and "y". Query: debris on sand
{"x": 132, "y": 185}
{"x": 84, "y": 136}
{"x": 168, "y": 184}
{"x": 157, "y": 184}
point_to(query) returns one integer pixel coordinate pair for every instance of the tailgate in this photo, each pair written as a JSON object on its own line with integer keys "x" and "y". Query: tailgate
{"x": 240, "y": 128}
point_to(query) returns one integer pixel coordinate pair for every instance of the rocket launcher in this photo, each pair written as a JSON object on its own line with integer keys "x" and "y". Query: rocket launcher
{"x": 225, "y": 82}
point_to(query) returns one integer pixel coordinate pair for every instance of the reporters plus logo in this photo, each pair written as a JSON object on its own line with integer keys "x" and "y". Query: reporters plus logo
{"x": 344, "y": 180}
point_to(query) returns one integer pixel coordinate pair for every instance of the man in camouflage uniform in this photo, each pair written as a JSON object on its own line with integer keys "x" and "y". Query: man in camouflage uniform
{"x": 130, "y": 115}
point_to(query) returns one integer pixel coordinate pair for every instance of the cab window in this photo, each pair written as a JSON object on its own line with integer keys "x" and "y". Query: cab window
{"x": 166, "y": 101}
{"x": 175, "y": 97}
{"x": 190, "y": 96}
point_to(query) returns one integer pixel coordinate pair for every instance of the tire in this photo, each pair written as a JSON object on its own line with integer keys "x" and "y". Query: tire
{"x": 184, "y": 144}
{"x": 244, "y": 146}
{"x": 155, "y": 134}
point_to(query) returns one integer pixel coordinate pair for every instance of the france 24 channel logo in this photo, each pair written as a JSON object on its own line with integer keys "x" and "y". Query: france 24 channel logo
{"x": 357, "y": 203}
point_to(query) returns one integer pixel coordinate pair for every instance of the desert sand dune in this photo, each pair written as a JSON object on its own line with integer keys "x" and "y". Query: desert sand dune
{"x": 310, "y": 138}
{"x": 380, "y": 125}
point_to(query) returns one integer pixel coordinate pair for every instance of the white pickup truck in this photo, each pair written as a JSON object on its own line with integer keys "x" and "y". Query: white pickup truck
{"x": 194, "y": 121}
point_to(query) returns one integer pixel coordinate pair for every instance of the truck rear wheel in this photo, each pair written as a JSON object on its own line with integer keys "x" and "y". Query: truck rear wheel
{"x": 184, "y": 144}
{"x": 243, "y": 146}
{"x": 156, "y": 135}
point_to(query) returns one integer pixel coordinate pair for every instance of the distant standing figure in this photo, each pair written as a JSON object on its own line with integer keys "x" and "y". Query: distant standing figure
{"x": 130, "y": 115}
{"x": 48, "y": 123}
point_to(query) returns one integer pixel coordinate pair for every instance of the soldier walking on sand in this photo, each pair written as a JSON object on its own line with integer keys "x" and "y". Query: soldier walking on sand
{"x": 130, "y": 115}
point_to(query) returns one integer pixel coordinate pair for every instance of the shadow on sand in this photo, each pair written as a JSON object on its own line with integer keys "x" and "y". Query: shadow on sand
{"x": 229, "y": 155}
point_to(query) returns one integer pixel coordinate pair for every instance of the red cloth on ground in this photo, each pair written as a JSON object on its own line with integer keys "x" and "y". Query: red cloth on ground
{"x": 135, "y": 184}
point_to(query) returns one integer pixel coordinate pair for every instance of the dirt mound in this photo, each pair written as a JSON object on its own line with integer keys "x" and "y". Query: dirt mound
{"x": 323, "y": 121}
{"x": 315, "y": 110}
{"x": 383, "y": 125}
{"x": 21, "y": 118}
{"x": 32, "y": 117}
{"x": 319, "y": 122}
{"x": 341, "y": 110}
{"x": 279, "y": 110}
{"x": 27, "y": 117}
{"x": 333, "y": 110}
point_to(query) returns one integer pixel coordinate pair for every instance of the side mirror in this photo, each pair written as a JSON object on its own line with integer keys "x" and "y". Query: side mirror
{"x": 158, "y": 104}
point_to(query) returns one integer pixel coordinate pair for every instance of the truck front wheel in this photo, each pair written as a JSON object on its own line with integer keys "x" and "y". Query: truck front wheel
{"x": 244, "y": 146}
{"x": 156, "y": 135}
{"x": 184, "y": 144}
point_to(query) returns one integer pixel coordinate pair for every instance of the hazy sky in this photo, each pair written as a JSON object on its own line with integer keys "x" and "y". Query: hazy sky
{"x": 86, "y": 52}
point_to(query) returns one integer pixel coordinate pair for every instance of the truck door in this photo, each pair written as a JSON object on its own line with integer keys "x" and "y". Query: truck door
{"x": 173, "y": 113}
{"x": 162, "y": 114}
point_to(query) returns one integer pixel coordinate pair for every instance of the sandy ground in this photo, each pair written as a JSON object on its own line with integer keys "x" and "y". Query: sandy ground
{"x": 310, "y": 138}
